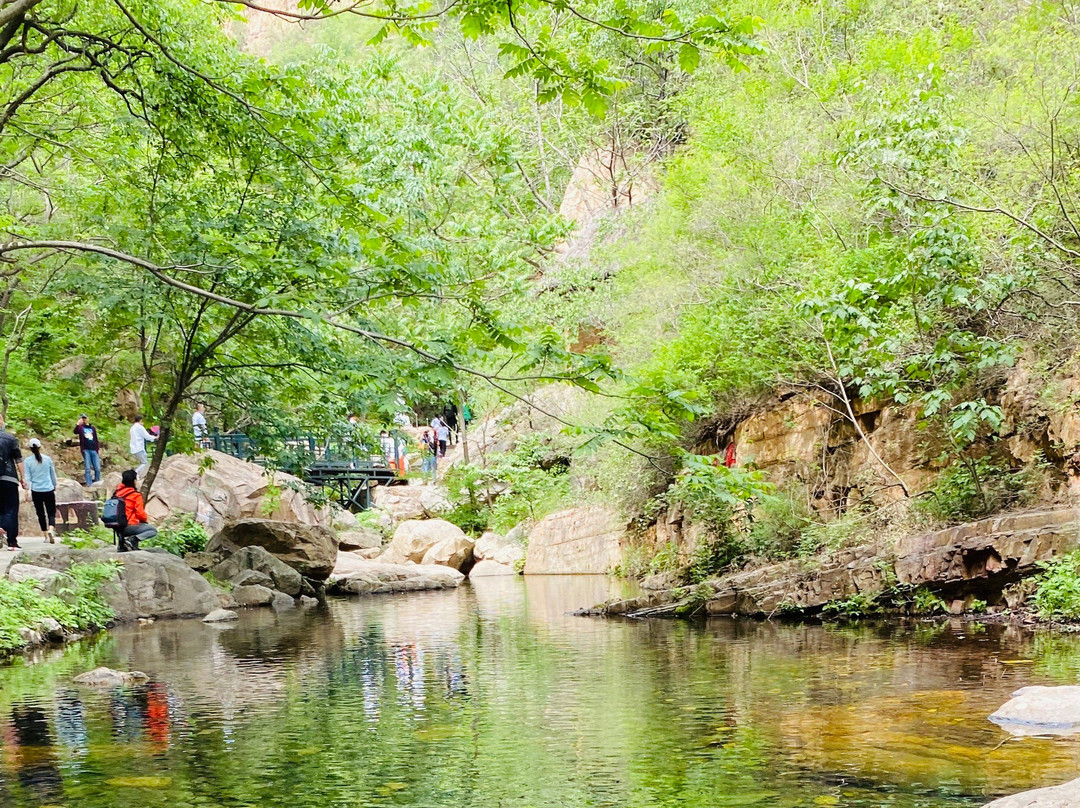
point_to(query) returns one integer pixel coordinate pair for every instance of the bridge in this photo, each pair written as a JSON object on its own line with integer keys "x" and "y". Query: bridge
{"x": 348, "y": 469}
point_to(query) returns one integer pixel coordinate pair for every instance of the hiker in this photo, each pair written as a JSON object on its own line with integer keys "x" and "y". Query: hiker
{"x": 429, "y": 449}
{"x": 442, "y": 435}
{"x": 138, "y": 527}
{"x": 139, "y": 438}
{"x": 198, "y": 425}
{"x": 386, "y": 444}
{"x": 41, "y": 474}
{"x": 449, "y": 417}
{"x": 90, "y": 447}
{"x": 12, "y": 476}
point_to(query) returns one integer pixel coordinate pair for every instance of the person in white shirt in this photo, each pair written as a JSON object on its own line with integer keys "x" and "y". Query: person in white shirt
{"x": 139, "y": 439}
{"x": 198, "y": 425}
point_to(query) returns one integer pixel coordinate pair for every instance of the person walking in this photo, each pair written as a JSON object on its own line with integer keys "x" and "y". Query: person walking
{"x": 139, "y": 438}
{"x": 90, "y": 447}
{"x": 41, "y": 475}
{"x": 138, "y": 527}
{"x": 12, "y": 476}
{"x": 198, "y": 426}
{"x": 442, "y": 435}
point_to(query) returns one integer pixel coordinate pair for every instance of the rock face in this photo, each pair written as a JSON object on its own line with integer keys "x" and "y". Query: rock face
{"x": 416, "y": 540}
{"x": 576, "y": 541}
{"x": 1040, "y": 711}
{"x": 311, "y": 550}
{"x": 148, "y": 584}
{"x": 979, "y": 557}
{"x": 358, "y": 576}
{"x": 403, "y": 502}
{"x": 268, "y": 569}
{"x": 229, "y": 490}
{"x": 1064, "y": 796}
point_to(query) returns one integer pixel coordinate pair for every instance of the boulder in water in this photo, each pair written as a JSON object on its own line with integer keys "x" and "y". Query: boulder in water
{"x": 1063, "y": 796}
{"x": 107, "y": 677}
{"x": 221, "y": 616}
{"x": 503, "y": 550}
{"x": 414, "y": 538}
{"x": 254, "y": 595}
{"x": 1039, "y": 710}
{"x": 365, "y": 577}
{"x": 311, "y": 550}
{"x": 488, "y": 568}
{"x": 455, "y": 552}
{"x": 256, "y": 565}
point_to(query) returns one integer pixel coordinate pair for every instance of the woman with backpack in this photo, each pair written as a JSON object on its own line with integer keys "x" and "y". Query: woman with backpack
{"x": 41, "y": 475}
{"x": 135, "y": 525}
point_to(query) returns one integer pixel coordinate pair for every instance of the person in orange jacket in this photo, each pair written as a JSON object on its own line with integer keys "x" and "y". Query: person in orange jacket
{"x": 138, "y": 525}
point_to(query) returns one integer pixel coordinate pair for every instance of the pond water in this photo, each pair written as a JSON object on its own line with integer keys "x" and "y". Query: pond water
{"x": 491, "y": 696}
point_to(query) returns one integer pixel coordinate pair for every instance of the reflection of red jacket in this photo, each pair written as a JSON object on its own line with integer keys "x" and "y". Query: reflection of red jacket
{"x": 133, "y": 505}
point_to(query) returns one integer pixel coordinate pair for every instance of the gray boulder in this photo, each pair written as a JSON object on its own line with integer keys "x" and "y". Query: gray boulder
{"x": 309, "y": 549}
{"x": 49, "y": 581}
{"x": 148, "y": 585}
{"x": 358, "y": 576}
{"x": 252, "y": 578}
{"x": 221, "y": 616}
{"x": 1063, "y": 796}
{"x": 253, "y": 595}
{"x": 107, "y": 677}
{"x": 277, "y": 574}
{"x": 282, "y": 601}
{"x": 201, "y": 562}
{"x": 1040, "y": 710}
{"x": 51, "y": 629}
{"x": 361, "y": 538}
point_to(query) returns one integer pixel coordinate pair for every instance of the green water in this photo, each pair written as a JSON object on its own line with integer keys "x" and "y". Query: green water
{"x": 491, "y": 696}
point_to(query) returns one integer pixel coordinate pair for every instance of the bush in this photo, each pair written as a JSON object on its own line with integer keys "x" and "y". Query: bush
{"x": 180, "y": 537}
{"x": 78, "y": 607}
{"x": 471, "y": 518}
{"x": 1057, "y": 593}
{"x": 971, "y": 489}
{"x": 778, "y": 525}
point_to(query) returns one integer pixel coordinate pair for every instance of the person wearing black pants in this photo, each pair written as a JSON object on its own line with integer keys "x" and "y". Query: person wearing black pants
{"x": 41, "y": 474}
{"x": 11, "y": 477}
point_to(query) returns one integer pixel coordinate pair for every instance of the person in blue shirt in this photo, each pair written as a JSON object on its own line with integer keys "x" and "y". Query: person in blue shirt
{"x": 41, "y": 475}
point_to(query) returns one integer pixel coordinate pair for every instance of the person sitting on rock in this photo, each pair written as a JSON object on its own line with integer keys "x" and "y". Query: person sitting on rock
{"x": 138, "y": 526}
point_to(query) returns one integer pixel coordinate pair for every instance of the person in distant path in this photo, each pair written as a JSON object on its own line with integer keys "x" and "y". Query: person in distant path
{"x": 198, "y": 425}
{"x": 90, "y": 447}
{"x": 12, "y": 476}
{"x": 449, "y": 417}
{"x": 138, "y": 523}
{"x": 41, "y": 474}
{"x": 442, "y": 435}
{"x": 386, "y": 445}
{"x": 429, "y": 449}
{"x": 139, "y": 438}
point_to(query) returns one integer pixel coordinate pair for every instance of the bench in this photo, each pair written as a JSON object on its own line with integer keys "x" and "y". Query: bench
{"x": 85, "y": 515}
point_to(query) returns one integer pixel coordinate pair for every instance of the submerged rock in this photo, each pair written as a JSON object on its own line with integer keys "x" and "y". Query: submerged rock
{"x": 221, "y": 616}
{"x": 1039, "y": 710}
{"x": 107, "y": 677}
{"x": 1063, "y": 796}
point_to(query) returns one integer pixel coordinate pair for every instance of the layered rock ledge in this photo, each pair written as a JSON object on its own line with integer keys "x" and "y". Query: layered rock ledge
{"x": 974, "y": 559}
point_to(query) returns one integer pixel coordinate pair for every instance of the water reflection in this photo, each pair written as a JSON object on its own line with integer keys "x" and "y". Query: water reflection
{"x": 493, "y": 695}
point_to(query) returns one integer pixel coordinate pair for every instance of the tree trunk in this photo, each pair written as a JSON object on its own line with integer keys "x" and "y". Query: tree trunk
{"x": 162, "y": 443}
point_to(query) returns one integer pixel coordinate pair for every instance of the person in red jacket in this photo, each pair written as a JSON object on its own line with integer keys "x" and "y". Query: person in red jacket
{"x": 138, "y": 524}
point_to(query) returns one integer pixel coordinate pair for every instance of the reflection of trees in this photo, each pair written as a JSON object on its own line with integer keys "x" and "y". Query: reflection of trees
{"x": 487, "y": 697}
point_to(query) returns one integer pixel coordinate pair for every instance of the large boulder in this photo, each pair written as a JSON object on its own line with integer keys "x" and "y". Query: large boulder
{"x": 309, "y": 549}
{"x": 576, "y": 541}
{"x": 403, "y": 502}
{"x": 253, "y": 595}
{"x": 218, "y": 488}
{"x": 500, "y": 549}
{"x": 362, "y": 538}
{"x": 1039, "y": 710}
{"x": 1064, "y": 796}
{"x": 488, "y": 568}
{"x": 148, "y": 584}
{"x": 358, "y": 576}
{"x": 415, "y": 537}
{"x": 48, "y": 581}
{"x": 454, "y": 551}
{"x": 258, "y": 560}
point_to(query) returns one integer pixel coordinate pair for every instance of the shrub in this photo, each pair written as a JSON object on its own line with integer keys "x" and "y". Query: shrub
{"x": 778, "y": 525}
{"x": 1057, "y": 593}
{"x": 181, "y": 537}
{"x": 79, "y": 605}
{"x": 82, "y": 539}
{"x": 970, "y": 489}
{"x": 926, "y": 602}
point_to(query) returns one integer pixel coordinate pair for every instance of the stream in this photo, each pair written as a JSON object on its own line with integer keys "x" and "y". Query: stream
{"x": 492, "y": 696}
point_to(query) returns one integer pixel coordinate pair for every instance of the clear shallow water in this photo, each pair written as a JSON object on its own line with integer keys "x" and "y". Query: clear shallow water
{"x": 491, "y": 696}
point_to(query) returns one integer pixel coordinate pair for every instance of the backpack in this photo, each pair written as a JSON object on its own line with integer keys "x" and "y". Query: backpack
{"x": 114, "y": 512}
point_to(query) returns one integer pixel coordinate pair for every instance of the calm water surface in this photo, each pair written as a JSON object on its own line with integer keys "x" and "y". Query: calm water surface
{"x": 491, "y": 696}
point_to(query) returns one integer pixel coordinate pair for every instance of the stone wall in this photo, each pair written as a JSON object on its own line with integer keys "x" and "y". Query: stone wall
{"x": 576, "y": 541}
